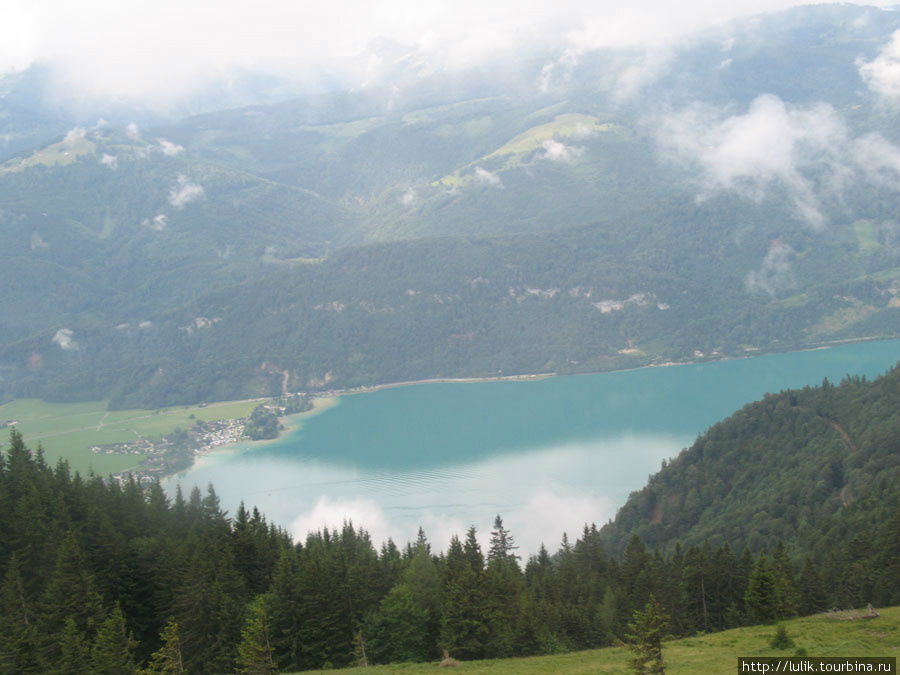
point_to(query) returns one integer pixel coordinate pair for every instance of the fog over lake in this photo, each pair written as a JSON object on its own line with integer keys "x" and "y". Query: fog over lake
{"x": 548, "y": 455}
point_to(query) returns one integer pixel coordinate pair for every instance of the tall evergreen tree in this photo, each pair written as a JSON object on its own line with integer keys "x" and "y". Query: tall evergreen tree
{"x": 761, "y": 598}
{"x": 255, "y": 652}
{"x": 113, "y": 650}
{"x": 645, "y": 635}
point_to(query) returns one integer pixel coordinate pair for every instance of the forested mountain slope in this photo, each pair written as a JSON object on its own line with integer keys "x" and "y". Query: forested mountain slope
{"x": 818, "y": 467}
{"x": 559, "y": 214}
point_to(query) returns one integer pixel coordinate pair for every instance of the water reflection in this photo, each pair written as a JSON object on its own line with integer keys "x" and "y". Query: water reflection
{"x": 539, "y": 492}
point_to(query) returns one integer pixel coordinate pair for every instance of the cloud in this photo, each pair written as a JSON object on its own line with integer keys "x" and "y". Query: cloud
{"x": 770, "y": 143}
{"x": 75, "y": 135}
{"x": 408, "y": 197}
{"x": 560, "y": 152}
{"x": 882, "y": 74}
{"x": 184, "y": 192}
{"x": 333, "y": 513}
{"x": 775, "y": 273}
{"x": 168, "y": 148}
{"x": 63, "y": 338}
{"x": 109, "y": 160}
{"x": 159, "y": 221}
{"x": 132, "y": 131}
{"x": 167, "y": 49}
{"x": 806, "y": 150}
{"x": 879, "y": 159}
{"x": 488, "y": 177}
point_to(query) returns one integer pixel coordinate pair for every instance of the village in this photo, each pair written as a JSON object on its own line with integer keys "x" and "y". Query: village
{"x": 176, "y": 452}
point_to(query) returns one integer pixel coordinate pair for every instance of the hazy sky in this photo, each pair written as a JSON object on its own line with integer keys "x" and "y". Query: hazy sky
{"x": 161, "y": 49}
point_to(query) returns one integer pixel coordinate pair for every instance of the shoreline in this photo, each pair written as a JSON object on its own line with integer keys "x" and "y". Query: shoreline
{"x": 290, "y": 423}
{"x": 325, "y": 400}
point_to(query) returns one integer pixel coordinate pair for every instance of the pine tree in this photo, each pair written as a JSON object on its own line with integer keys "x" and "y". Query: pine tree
{"x": 167, "y": 659}
{"x": 70, "y": 598}
{"x": 72, "y": 655}
{"x": 18, "y": 643}
{"x": 761, "y": 598}
{"x": 113, "y": 651}
{"x": 463, "y": 630}
{"x": 645, "y": 634}
{"x": 255, "y": 649}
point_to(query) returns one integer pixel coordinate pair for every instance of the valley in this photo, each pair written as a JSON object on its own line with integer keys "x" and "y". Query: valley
{"x": 392, "y": 333}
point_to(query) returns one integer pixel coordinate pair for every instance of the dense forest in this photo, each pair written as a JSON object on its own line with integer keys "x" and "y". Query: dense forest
{"x": 106, "y": 577}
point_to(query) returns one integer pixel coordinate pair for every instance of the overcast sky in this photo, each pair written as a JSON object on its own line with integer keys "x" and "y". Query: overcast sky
{"x": 160, "y": 49}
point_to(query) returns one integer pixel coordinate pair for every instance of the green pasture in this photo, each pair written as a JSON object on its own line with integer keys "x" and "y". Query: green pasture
{"x": 819, "y": 635}
{"x": 563, "y": 126}
{"x": 866, "y": 235}
{"x": 62, "y": 153}
{"x": 69, "y": 430}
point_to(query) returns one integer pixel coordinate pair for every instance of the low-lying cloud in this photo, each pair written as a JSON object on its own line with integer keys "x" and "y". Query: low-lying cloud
{"x": 556, "y": 151}
{"x": 488, "y": 177}
{"x": 882, "y": 74}
{"x": 75, "y": 135}
{"x": 64, "y": 339}
{"x": 168, "y": 148}
{"x": 775, "y": 273}
{"x": 806, "y": 150}
{"x": 184, "y": 192}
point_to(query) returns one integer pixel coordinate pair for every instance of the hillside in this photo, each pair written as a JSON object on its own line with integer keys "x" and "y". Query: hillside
{"x": 819, "y": 635}
{"x": 553, "y": 216}
{"x": 817, "y": 467}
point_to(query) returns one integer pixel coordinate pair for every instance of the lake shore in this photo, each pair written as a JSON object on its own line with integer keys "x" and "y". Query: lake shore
{"x": 325, "y": 400}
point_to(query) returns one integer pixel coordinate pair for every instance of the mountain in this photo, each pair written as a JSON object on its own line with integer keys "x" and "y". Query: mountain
{"x": 563, "y": 212}
{"x": 816, "y": 467}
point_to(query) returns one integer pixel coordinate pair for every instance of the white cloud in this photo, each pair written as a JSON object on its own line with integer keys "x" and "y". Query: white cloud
{"x": 159, "y": 221}
{"x": 168, "y": 148}
{"x": 775, "y": 273}
{"x": 144, "y": 325}
{"x": 132, "y": 131}
{"x": 806, "y": 150}
{"x": 560, "y": 152}
{"x": 166, "y": 49}
{"x": 63, "y": 338}
{"x": 882, "y": 74}
{"x": 879, "y": 159}
{"x": 772, "y": 142}
{"x": 488, "y": 177}
{"x": 75, "y": 135}
{"x": 109, "y": 160}
{"x": 333, "y": 513}
{"x": 184, "y": 192}
{"x": 408, "y": 197}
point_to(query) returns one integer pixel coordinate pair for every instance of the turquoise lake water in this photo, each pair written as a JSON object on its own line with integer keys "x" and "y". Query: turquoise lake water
{"x": 548, "y": 455}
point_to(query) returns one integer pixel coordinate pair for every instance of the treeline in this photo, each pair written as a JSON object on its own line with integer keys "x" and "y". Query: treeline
{"x": 104, "y": 577}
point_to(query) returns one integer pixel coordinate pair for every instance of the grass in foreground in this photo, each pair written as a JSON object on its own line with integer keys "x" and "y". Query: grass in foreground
{"x": 69, "y": 430}
{"x": 819, "y": 635}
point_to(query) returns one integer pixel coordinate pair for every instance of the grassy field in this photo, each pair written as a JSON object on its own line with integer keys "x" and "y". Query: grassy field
{"x": 62, "y": 153}
{"x": 70, "y": 429}
{"x": 563, "y": 126}
{"x": 819, "y": 635}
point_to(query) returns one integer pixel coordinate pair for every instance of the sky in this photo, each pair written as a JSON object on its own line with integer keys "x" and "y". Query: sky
{"x": 154, "y": 51}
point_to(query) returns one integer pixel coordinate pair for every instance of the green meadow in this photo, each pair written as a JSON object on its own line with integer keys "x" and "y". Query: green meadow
{"x": 69, "y": 430}
{"x": 819, "y": 635}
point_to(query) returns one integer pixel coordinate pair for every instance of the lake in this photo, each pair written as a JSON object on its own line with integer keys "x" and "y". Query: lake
{"x": 549, "y": 455}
